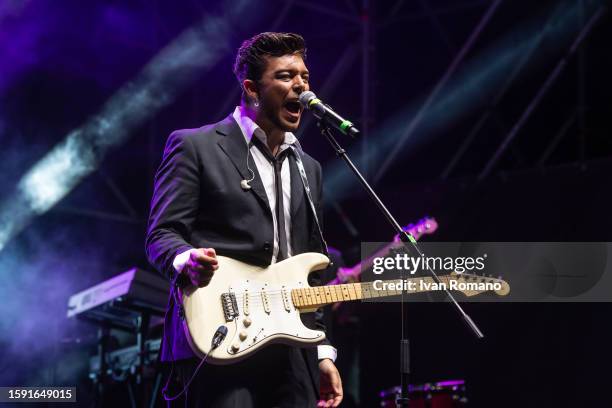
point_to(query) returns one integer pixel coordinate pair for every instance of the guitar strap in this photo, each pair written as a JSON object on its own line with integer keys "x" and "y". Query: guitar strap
{"x": 300, "y": 166}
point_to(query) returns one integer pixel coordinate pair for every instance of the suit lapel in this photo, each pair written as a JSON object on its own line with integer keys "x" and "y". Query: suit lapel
{"x": 235, "y": 147}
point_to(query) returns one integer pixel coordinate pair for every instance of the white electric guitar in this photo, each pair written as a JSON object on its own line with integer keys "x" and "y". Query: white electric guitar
{"x": 256, "y": 306}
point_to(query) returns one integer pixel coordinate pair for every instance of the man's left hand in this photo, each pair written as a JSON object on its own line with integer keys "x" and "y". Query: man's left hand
{"x": 330, "y": 385}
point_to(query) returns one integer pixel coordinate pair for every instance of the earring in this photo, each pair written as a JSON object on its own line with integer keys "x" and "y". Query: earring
{"x": 256, "y": 104}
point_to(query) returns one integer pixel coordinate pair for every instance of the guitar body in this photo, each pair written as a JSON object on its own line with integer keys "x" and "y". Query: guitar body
{"x": 254, "y": 304}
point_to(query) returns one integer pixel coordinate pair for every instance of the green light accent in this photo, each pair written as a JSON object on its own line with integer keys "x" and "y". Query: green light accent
{"x": 314, "y": 101}
{"x": 411, "y": 238}
{"x": 345, "y": 125}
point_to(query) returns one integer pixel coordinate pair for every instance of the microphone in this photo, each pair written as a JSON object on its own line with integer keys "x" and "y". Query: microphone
{"x": 326, "y": 114}
{"x": 245, "y": 184}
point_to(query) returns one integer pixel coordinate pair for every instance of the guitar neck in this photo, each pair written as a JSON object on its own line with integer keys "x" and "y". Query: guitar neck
{"x": 315, "y": 297}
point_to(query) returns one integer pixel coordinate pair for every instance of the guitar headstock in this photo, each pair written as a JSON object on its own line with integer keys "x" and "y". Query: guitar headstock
{"x": 471, "y": 285}
{"x": 426, "y": 225}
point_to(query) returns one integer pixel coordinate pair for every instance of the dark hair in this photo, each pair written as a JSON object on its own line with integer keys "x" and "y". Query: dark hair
{"x": 251, "y": 58}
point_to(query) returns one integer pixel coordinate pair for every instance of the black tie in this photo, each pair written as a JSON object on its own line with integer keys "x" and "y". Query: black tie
{"x": 277, "y": 163}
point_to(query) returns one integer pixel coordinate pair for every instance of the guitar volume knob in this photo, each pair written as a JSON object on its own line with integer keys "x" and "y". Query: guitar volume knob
{"x": 247, "y": 321}
{"x": 242, "y": 335}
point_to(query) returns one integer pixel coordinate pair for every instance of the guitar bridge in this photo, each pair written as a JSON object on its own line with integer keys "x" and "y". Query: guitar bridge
{"x": 230, "y": 306}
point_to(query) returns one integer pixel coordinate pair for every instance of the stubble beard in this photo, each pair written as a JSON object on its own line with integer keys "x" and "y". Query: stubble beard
{"x": 273, "y": 116}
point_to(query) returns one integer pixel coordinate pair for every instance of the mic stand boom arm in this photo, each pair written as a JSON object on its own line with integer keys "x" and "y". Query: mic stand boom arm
{"x": 409, "y": 243}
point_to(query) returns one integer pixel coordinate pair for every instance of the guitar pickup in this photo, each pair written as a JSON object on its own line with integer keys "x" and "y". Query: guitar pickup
{"x": 230, "y": 306}
{"x": 245, "y": 305}
{"x": 285, "y": 297}
{"x": 265, "y": 300}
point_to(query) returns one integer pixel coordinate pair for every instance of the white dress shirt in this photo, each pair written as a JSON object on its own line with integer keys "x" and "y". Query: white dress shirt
{"x": 265, "y": 169}
{"x": 266, "y": 172}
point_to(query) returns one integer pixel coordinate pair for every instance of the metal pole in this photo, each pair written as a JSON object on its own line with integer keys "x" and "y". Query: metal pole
{"x": 540, "y": 94}
{"x": 365, "y": 83}
{"x": 497, "y": 98}
{"x": 233, "y": 94}
{"x": 405, "y": 135}
{"x": 555, "y": 141}
{"x": 582, "y": 89}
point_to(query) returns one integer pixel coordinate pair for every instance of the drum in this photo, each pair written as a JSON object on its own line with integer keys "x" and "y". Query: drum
{"x": 443, "y": 394}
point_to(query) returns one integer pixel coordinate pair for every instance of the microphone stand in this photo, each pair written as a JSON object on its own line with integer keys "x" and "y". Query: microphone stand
{"x": 409, "y": 244}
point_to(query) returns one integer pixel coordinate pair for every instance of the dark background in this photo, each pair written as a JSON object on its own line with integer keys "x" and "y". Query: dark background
{"x": 383, "y": 65}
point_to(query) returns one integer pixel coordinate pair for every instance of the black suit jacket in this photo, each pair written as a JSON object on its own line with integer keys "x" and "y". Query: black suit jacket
{"x": 198, "y": 203}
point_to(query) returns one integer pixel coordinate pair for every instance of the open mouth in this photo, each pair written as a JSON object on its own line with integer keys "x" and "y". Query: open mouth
{"x": 293, "y": 107}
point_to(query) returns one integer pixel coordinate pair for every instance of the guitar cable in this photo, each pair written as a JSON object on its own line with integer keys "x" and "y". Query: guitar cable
{"x": 218, "y": 337}
{"x": 216, "y": 341}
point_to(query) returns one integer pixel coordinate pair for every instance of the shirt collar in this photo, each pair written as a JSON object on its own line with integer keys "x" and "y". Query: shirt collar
{"x": 250, "y": 128}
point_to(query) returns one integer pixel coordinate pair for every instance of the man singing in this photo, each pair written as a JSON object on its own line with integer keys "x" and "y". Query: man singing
{"x": 233, "y": 188}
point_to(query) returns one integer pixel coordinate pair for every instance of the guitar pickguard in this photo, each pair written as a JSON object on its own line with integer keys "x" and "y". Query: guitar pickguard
{"x": 265, "y": 311}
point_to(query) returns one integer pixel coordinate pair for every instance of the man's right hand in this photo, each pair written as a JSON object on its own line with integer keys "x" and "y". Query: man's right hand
{"x": 201, "y": 266}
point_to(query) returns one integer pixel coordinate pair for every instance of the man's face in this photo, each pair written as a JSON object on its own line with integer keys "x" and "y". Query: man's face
{"x": 279, "y": 88}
